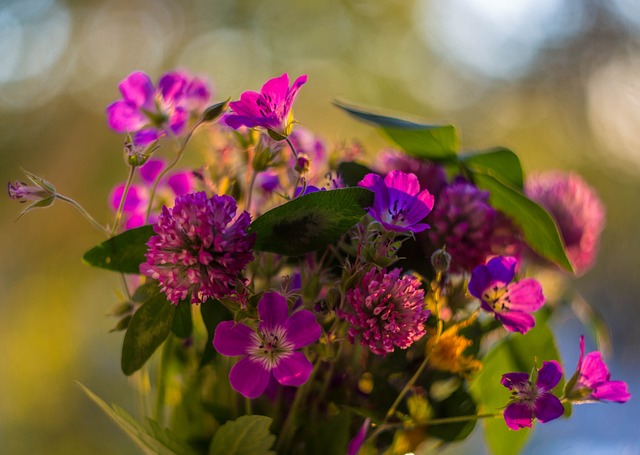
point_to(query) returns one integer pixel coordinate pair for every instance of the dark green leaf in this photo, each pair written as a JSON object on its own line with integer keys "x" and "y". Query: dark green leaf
{"x": 499, "y": 163}
{"x": 539, "y": 229}
{"x": 149, "y": 327}
{"x": 352, "y": 172}
{"x": 122, "y": 253}
{"x": 213, "y": 313}
{"x": 145, "y": 291}
{"x": 459, "y": 403}
{"x": 310, "y": 222}
{"x": 182, "y": 322}
{"x": 435, "y": 142}
{"x": 248, "y": 435}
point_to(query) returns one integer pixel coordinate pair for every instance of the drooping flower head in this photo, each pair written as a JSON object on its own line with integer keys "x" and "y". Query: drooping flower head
{"x": 576, "y": 208}
{"x": 510, "y": 303}
{"x": 398, "y": 204}
{"x": 149, "y": 112}
{"x": 591, "y": 381}
{"x": 269, "y": 109}
{"x": 529, "y": 401}
{"x": 200, "y": 248}
{"x": 386, "y": 311}
{"x": 271, "y": 349}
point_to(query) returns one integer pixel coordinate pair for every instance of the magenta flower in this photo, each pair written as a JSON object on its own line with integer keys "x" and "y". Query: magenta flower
{"x": 269, "y": 109}
{"x": 398, "y": 204}
{"x": 200, "y": 248}
{"x": 271, "y": 349}
{"x": 149, "y": 112}
{"x": 386, "y": 311}
{"x": 529, "y": 401}
{"x": 591, "y": 381}
{"x": 577, "y": 210}
{"x": 510, "y": 303}
{"x": 356, "y": 443}
{"x": 431, "y": 176}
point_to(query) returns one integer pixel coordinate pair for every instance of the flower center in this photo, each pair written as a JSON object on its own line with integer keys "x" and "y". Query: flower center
{"x": 397, "y": 214}
{"x": 526, "y": 393}
{"x": 497, "y": 297}
{"x": 270, "y": 346}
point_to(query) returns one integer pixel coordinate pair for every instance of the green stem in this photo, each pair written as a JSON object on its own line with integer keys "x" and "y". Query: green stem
{"x": 84, "y": 213}
{"x": 250, "y": 192}
{"x": 127, "y": 185}
{"x": 162, "y": 379}
{"x": 293, "y": 149}
{"x": 247, "y": 406}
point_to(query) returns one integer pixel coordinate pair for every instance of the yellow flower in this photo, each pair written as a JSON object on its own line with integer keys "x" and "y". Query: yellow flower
{"x": 447, "y": 351}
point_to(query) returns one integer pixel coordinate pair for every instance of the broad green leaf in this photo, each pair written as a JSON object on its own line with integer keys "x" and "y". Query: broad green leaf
{"x": 182, "y": 322}
{"x": 150, "y": 437}
{"x": 516, "y": 353}
{"x": 213, "y": 313}
{"x": 459, "y": 403}
{"x": 539, "y": 229}
{"x": 248, "y": 435}
{"x": 149, "y": 327}
{"x": 122, "y": 253}
{"x": 499, "y": 163}
{"x": 352, "y": 172}
{"x": 310, "y": 222}
{"x": 435, "y": 142}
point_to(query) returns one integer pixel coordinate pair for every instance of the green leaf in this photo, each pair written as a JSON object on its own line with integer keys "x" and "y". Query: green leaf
{"x": 352, "y": 172}
{"x": 516, "y": 353}
{"x": 150, "y": 437}
{"x": 310, "y": 222}
{"x": 434, "y": 142}
{"x": 248, "y": 435}
{"x": 182, "y": 322}
{"x": 538, "y": 227}
{"x": 499, "y": 163}
{"x": 213, "y": 313}
{"x": 122, "y": 253}
{"x": 149, "y": 327}
{"x": 459, "y": 403}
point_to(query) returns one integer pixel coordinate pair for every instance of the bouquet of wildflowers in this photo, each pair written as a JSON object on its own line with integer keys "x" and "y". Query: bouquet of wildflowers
{"x": 288, "y": 296}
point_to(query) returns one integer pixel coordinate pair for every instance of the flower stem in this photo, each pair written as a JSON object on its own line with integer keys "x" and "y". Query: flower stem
{"x": 293, "y": 149}
{"x": 127, "y": 185}
{"x": 84, "y": 213}
{"x": 161, "y": 384}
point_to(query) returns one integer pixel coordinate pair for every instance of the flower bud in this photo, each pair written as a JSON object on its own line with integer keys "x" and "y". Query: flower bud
{"x": 42, "y": 192}
{"x": 441, "y": 260}
{"x": 303, "y": 164}
{"x": 213, "y": 112}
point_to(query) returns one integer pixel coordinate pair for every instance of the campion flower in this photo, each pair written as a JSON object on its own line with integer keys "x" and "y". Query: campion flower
{"x": 200, "y": 248}
{"x": 269, "y": 109}
{"x": 271, "y": 349}
{"x": 529, "y": 401}
{"x": 150, "y": 112}
{"x": 577, "y": 210}
{"x": 386, "y": 311}
{"x": 510, "y": 303}
{"x": 591, "y": 381}
{"x": 398, "y": 204}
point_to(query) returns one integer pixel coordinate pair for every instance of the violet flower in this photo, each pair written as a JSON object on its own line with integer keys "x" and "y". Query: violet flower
{"x": 510, "y": 303}
{"x": 200, "y": 248}
{"x": 398, "y": 204}
{"x": 591, "y": 381}
{"x": 355, "y": 444}
{"x": 271, "y": 349}
{"x": 269, "y": 109}
{"x": 529, "y": 401}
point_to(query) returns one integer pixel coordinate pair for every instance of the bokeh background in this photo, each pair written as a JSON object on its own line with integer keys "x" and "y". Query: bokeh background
{"x": 558, "y": 81}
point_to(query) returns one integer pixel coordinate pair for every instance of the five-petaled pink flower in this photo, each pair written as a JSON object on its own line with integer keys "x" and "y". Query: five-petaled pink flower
{"x": 510, "y": 303}
{"x": 529, "y": 401}
{"x": 269, "y": 109}
{"x": 272, "y": 348}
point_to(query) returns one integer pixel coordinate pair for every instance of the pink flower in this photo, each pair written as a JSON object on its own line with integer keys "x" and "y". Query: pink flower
{"x": 431, "y": 176}
{"x": 269, "y": 109}
{"x": 386, "y": 311}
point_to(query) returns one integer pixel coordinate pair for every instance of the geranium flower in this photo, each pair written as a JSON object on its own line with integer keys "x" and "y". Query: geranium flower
{"x": 200, "y": 248}
{"x": 591, "y": 381}
{"x": 529, "y": 401}
{"x": 510, "y": 303}
{"x": 398, "y": 204}
{"x": 269, "y": 109}
{"x": 271, "y": 349}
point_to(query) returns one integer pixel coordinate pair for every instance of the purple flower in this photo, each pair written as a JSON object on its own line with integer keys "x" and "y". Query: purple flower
{"x": 591, "y": 381}
{"x": 269, "y": 109}
{"x": 42, "y": 192}
{"x": 151, "y": 112}
{"x": 529, "y": 400}
{"x": 431, "y": 176}
{"x": 398, "y": 204}
{"x": 356, "y": 443}
{"x": 272, "y": 348}
{"x": 577, "y": 210}
{"x": 510, "y": 303}
{"x": 200, "y": 248}
{"x": 386, "y": 311}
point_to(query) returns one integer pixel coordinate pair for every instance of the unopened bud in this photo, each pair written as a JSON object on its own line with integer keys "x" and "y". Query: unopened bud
{"x": 213, "y": 112}
{"x": 441, "y": 260}
{"x": 303, "y": 164}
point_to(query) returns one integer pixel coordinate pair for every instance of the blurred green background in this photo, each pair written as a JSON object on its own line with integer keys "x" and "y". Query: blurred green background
{"x": 558, "y": 81}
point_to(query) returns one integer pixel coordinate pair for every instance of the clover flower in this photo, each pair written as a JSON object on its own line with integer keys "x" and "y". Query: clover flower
{"x": 269, "y": 109}
{"x": 386, "y": 311}
{"x": 591, "y": 381}
{"x": 510, "y": 303}
{"x": 398, "y": 203}
{"x": 529, "y": 401}
{"x": 577, "y": 210}
{"x": 271, "y": 349}
{"x": 200, "y": 248}
{"x": 150, "y": 112}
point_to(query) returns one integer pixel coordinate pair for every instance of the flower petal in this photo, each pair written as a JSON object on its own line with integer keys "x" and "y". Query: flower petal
{"x": 249, "y": 377}
{"x": 273, "y": 310}
{"x": 181, "y": 183}
{"x": 275, "y": 90}
{"x": 547, "y": 407}
{"x": 403, "y": 181}
{"x": 518, "y": 415}
{"x": 502, "y": 268}
{"x": 302, "y": 329}
{"x": 137, "y": 89}
{"x": 516, "y": 321}
{"x": 480, "y": 278}
{"x": 124, "y": 117}
{"x": 293, "y": 370}
{"x": 593, "y": 371}
{"x": 149, "y": 171}
{"x": 612, "y": 391}
{"x": 293, "y": 92}
{"x": 178, "y": 120}
{"x": 549, "y": 375}
{"x": 146, "y": 136}
{"x": 354, "y": 445}
{"x": 171, "y": 86}
{"x": 134, "y": 200}
{"x": 232, "y": 338}
{"x": 525, "y": 295}
{"x": 515, "y": 380}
